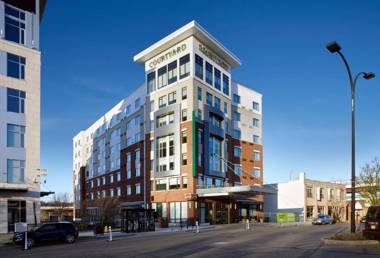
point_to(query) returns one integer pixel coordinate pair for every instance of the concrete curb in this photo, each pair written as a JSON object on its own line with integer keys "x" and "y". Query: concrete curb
{"x": 349, "y": 242}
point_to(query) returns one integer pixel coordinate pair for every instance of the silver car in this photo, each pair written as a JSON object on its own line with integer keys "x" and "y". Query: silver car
{"x": 322, "y": 220}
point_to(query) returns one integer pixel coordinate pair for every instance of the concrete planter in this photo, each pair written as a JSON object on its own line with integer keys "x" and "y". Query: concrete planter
{"x": 349, "y": 242}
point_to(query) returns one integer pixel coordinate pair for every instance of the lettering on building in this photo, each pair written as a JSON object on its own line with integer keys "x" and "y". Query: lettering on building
{"x": 169, "y": 54}
{"x": 212, "y": 56}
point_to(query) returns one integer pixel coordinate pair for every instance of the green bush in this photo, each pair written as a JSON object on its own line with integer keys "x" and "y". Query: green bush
{"x": 347, "y": 236}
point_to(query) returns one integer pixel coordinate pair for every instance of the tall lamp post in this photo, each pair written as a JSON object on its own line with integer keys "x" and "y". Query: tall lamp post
{"x": 334, "y": 47}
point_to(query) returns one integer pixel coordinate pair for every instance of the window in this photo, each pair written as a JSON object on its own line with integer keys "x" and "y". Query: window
{"x": 216, "y": 120}
{"x": 309, "y": 192}
{"x": 111, "y": 193}
{"x": 184, "y": 182}
{"x": 172, "y": 97}
{"x": 215, "y": 150}
{"x": 256, "y": 155}
{"x": 256, "y": 172}
{"x": 255, "y": 139}
{"x": 236, "y": 98}
{"x": 255, "y": 106}
{"x": 165, "y": 119}
{"x": 15, "y": 171}
{"x": 137, "y": 103}
{"x": 217, "y": 103}
{"x": 184, "y": 136}
{"x": 217, "y": 78}
{"x": 199, "y": 93}
{"x": 14, "y": 25}
{"x": 237, "y": 169}
{"x": 137, "y": 162}
{"x": 129, "y": 141}
{"x": 208, "y": 73}
{"x": 128, "y": 109}
{"x": 129, "y": 190}
{"x": 255, "y": 122}
{"x": 111, "y": 179}
{"x": 151, "y": 81}
{"x": 184, "y": 114}
{"x": 172, "y": 72}
{"x": 184, "y": 66}
{"x": 118, "y": 191}
{"x": 237, "y": 134}
{"x": 209, "y": 99}
{"x": 162, "y": 101}
{"x": 200, "y": 146}
{"x": 128, "y": 165}
{"x": 138, "y": 120}
{"x": 15, "y": 136}
{"x": 162, "y": 77}
{"x": 199, "y": 67}
{"x": 225, "y": 108}
{"x": 184, "y": 93}
{"x": 309, "y": 211}
{"x": 15, "y": 100}
{"x": 237, "y": 152}
{"x": 138, "y": 188}
{"x": 161, "y": 185}
{"x": 184, "y": 159}
{"x": 15, "y": 66}
{"x": 162, "y": 147}
{"x": 118, "y": 176}
{"x": 137, "y": 137}
{"x": 226, "y": 85}
{"x": 236, "y": 116}
{"x": 174, "y": 183}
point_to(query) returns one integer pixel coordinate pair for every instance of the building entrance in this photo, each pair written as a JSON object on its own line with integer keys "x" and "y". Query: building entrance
{"x": 16, "y": 213}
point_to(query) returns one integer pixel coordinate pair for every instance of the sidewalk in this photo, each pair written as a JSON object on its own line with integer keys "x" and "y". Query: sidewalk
{"x": 5, "y": 239}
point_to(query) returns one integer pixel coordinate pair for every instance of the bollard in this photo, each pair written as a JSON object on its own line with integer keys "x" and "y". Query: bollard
{"x": 197, "y": 226}
{"x": 247, "y": 223}
{"x": 110, "y": 230}
{"x": 26, "y": 240}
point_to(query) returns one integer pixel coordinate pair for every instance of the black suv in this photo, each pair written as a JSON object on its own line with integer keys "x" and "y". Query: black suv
{"x": 65, "y": 231}
{"x": 372, "y": 224}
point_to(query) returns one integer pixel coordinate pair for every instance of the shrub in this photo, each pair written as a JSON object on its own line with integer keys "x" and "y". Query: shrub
{"x": 347, "y": 236}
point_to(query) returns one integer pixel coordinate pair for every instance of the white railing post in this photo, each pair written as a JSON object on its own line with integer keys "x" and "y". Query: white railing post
{"x": 110, "y": 232}
{"x": 197, "y": 226}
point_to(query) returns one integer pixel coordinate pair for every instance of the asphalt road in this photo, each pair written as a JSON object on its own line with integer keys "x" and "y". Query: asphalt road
{"x": 223, "y": 241}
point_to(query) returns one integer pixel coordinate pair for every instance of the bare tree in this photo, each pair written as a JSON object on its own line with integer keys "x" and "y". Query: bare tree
{"x": 369, "y": 182}
{"x": 62, "y": 202}
{"x": 108, "y": 209}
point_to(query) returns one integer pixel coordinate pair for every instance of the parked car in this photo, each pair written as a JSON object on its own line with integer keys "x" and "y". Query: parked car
{"x": 372, "y": 224}
{"x": 65, "y": 231}
{"x": 363, "y": 219}
{"x": 322, "y": 220}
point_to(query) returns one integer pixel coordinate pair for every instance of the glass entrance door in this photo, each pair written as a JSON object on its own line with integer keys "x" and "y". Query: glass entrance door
{"x": 16, "y": 213}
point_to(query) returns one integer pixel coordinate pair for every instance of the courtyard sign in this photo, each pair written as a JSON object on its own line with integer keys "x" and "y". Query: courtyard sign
{"x": 212, "y": 56}
{"x": 168, "y": 54}
{"x": 285, "y": 217}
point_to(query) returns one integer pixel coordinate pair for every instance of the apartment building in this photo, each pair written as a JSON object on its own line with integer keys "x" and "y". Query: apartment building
{"x": 20, "y": 63}
{"x": 186, "y": 144}
{"x": 307, "y": 198}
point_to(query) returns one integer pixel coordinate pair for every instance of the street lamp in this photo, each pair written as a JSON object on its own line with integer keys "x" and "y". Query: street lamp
{"x": 334, "y": 47}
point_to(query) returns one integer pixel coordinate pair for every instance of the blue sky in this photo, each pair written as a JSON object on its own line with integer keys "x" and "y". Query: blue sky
{"x": 87, "y": 67}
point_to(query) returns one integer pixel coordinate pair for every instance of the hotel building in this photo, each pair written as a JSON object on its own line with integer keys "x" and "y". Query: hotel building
{"x": 20, "y": 63}
{"x": 186, "y": 144}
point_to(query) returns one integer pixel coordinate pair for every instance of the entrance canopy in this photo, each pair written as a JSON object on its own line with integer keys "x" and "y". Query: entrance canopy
{"x": 236, "y": 191}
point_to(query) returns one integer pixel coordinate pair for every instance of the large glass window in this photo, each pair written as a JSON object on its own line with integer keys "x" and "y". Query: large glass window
{"x": 172, "y": 97}
{"x": 184, "y": 66}
{"x": 14, "y": 25}
{"x": 237, "y": 151}
{"x": 226, "y": 85}
{"x": 236, "y": 98}
{"x": 215, "y": 150}
{"x": 162, "y": 101}
{"x": 237, "y": 134}
{"x": 151, "y": 81}
{"x": 217, "y": 103}
{"x": 174, "y": 183}
{"x": 209, "y": 73}
{"x": 216, "y": 120}
{"x": 15, "y": 100}
{"x": 15, "y": 136}
{"x": 172, "y": 72}
{"x": 236, "y": 116}
{"x": 209, "y": 99}
{"x": 217, "y": 78}
{"x": 15, "y": 66}
{"x": 162, "y": 77}
{"x": 161, "y": 185}
{"x": 15, "y": 171}
{"x": 199, "y": 67}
